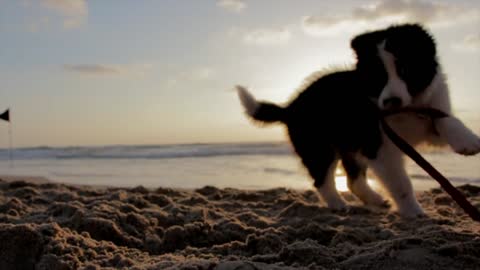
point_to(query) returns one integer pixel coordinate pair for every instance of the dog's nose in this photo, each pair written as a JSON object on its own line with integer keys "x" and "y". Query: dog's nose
{"x": 392, "y": 103}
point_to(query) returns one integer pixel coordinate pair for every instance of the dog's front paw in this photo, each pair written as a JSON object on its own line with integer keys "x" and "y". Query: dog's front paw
{"x": 375, "y": 199}
{"x": 460, "y": 138}
{"x": 466, "y": 143}
{"x": 469, "y": 147}
{"x": 337, "y": 204}
{"x": 414, "y": 210}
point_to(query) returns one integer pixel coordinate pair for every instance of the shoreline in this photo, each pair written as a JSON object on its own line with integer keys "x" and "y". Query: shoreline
{"x": 418, "y": 184}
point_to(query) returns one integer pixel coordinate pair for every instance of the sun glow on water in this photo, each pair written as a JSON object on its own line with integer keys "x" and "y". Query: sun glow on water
{"x": 341, "y": 181}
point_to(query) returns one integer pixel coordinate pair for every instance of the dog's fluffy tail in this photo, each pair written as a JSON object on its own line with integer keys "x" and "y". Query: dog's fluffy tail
{"x": 260, "y": 111}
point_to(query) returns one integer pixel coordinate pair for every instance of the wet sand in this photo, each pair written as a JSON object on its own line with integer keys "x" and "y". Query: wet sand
{"x": 54, "y": 226}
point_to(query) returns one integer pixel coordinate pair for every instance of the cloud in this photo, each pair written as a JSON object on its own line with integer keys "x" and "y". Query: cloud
{"x": 38, "y": 24}
{"x": 470, "y": 43}
{"x": 196, "y": 75}
{"x": 385, "y": 12}
{"x": 74, "y": 12}
{"x": 94, "y": 69}
{"x": 232, "y": 5}
{"x": 409, "y": 9}
{"x": 202, "y": 73}
{"x": 321, "y": 26}
{"x": 267, "y": 36}
{"x": 103, "y": 69}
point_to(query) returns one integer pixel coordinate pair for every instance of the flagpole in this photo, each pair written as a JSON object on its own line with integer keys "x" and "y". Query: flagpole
{"x": 10, "y": 152}
{"x": 6, "y": 116}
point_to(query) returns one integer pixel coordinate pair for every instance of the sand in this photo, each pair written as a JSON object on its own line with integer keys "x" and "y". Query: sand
{"x": 55, "y": 226}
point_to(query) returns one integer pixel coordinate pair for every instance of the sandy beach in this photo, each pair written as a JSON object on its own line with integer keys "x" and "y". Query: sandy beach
{"x": 165, "y": 135}
{"x": 56, "y": 226}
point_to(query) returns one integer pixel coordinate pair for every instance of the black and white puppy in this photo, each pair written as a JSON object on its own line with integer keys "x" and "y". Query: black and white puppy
{"x": 335, "y": 116}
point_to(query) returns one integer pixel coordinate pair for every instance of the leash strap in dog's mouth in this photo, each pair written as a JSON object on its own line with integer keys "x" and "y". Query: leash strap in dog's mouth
{"x": 459, "y": 198}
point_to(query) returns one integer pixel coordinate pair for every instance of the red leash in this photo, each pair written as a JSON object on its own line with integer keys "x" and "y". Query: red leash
{"x": 459, "y": 198}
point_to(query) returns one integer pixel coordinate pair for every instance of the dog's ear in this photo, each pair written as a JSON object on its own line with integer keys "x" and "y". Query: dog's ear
{"x": 367, "y": 43}
{"x": 411, "y": 38}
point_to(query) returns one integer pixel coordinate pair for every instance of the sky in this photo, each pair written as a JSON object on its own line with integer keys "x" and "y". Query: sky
{"x": 77, "y": 72}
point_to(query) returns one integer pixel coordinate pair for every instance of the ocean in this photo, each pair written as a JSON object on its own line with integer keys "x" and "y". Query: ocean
{"x": 241, "y": 165}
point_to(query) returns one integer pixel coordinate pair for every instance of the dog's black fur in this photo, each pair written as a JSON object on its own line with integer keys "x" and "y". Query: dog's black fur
{"x": 415, "y": 52}
{"x": 334, "y": 117}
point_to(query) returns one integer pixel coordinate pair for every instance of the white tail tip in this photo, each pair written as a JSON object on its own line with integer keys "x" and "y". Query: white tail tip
{"x": 247, "y": 100}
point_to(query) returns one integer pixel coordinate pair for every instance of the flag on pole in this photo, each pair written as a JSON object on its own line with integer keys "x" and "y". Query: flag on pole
{"x": 5, "y": 115}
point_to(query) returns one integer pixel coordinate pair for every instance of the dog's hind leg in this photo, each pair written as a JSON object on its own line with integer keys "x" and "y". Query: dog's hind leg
{"x": 324, "y": 182}
{"x": 356, "y": 170}
{"x": 321, "y": 163}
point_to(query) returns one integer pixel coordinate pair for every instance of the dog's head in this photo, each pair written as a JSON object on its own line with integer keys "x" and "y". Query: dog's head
{"x": 396, "y": 64}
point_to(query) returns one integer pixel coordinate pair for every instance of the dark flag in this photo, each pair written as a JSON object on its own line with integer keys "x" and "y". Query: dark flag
{"x": 6, "y": 115}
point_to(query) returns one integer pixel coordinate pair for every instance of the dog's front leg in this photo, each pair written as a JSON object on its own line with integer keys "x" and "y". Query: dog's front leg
{"x": 451, "y": 130}
{"x": 389, "y": 168}
{"x": 458, "y": 136}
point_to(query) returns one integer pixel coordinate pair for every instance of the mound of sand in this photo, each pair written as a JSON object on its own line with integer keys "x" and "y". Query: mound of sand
{"x": 55, "y": 226}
